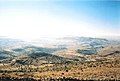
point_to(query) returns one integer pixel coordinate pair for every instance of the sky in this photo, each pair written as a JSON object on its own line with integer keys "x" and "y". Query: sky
{"x": 32, "y": 19}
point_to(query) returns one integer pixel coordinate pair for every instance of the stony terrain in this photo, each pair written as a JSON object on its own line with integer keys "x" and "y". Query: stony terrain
{"x": 95, "y": 59}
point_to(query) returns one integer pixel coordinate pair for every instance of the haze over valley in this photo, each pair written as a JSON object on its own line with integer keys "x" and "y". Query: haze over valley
{"x": 59, "y": 40}
{"x": 17, "y": 56}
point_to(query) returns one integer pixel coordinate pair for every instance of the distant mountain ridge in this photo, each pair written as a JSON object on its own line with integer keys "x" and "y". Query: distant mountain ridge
{"x": 64, "y": 49}
{"x": 11, "y": 43}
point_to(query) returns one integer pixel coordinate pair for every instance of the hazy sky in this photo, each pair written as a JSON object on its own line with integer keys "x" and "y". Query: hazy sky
{"x": 30, "y": 19}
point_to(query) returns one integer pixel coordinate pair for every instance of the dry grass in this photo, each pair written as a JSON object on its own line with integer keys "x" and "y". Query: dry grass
{"x": 109, "y": 69}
